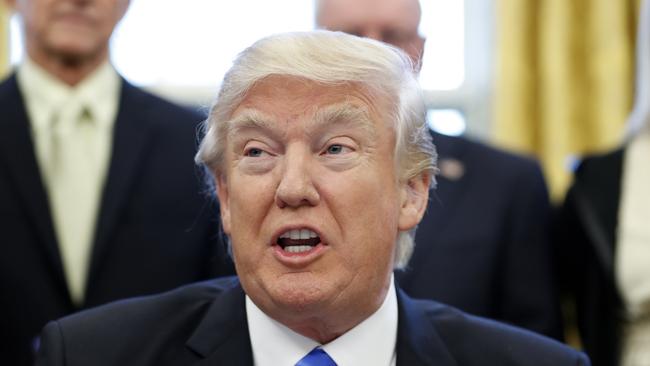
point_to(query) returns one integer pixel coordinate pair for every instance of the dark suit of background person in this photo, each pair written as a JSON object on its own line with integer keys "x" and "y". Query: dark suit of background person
{"x": 487, "y": 223}
{"x": 155, "y": 231}
{"x": 154, "y": 228}
{"x": 586, "y": 230}
{"x": 587, "y": 226}
{"x": 205, "y": 324}
{"x": 482, "y": 244}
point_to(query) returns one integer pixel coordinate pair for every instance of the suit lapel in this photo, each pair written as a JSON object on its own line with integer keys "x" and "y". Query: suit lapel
{"x": 131, "y": 133}
{"x": 222, "y": 336}
{"x": 17, "y": 150}
{"x": 418, "y": 342}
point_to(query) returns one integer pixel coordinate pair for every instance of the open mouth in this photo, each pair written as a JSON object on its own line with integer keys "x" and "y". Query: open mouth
{"x": 298, "y": 240}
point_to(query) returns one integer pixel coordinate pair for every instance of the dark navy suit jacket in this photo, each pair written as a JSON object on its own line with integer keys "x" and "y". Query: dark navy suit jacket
{"x": 155, "y": 230}
{"x": 483, "y": 245}
{"x": 586, "y": 247}
{"x": 205, "y": 324}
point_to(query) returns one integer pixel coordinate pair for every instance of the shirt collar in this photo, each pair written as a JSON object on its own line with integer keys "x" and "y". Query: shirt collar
{"x": 372, "y": 342}
{"x": 44, "y": 93}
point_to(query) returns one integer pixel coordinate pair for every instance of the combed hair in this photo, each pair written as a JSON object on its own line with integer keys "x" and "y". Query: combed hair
{"x": 331, "y": 58}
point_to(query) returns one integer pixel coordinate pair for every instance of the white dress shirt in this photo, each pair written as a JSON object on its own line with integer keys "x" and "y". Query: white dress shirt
{"x": 633, "y": 251}
{"x": 371, "y": 342}
{"x": 50, "y": 105}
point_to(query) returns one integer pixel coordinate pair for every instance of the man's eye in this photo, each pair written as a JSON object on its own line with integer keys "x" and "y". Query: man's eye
{"x": 254, "y": 152}
{"x": 335, "y": 149}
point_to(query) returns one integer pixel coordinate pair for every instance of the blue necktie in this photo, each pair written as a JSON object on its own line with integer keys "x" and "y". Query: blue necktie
{"x": 317, "y": 357}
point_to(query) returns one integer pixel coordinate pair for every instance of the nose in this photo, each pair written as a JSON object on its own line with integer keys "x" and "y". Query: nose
{"x": 296, "y": 187}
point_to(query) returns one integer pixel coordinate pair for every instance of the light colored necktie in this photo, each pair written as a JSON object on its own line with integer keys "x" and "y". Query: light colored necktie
{"x": 317, "y": 357}
{"x": 73, "y": 184}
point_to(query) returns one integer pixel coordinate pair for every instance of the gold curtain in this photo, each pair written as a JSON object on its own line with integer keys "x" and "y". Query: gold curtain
{"x": 4, "y": 40}
{"x": 564, "y": 79}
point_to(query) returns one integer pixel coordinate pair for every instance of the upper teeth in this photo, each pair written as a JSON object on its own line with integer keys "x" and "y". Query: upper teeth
{"x": 299, "y": 234}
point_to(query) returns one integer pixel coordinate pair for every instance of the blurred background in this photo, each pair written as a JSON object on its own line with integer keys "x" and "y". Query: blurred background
{"x": 549, "y": 78}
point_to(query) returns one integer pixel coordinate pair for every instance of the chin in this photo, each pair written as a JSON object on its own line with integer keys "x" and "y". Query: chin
{"x": 301, "y": 297}
{"x": 73, "y": 50}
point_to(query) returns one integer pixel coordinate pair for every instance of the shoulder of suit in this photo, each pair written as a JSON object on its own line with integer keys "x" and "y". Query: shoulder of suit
{"x": 467, "y": 336}
{"x": 598, "y": 178}
{"x": 470, "y": 151}
{"x": 180, "y": 302}
{"x": 8, "y": 85}
{"x": 597, "y": 163}
{"x": 159, "y": 105}
{"x": 484, "y": 165}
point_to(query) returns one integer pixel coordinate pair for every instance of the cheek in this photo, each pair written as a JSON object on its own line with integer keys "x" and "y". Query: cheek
{"x": 369, "y": 193}
{"x": 249, "y": 193}
{"x": 249, "y": 200}
{"x": 35, "y": 21}
{"x": 367, "y": 213}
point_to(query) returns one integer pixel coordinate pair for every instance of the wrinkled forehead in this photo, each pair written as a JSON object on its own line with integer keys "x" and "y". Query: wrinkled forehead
{"x": 314, "y": 105}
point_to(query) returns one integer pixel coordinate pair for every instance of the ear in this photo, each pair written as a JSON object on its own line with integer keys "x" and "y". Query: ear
{"x": 415, "y": 196}
{"x": 224, "y": 203}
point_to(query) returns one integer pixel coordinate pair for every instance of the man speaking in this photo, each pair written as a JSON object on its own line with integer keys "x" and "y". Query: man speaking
{"x": 322, "y": 164}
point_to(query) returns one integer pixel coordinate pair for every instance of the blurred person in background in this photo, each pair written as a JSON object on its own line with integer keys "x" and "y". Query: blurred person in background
{"x": 604, "y": 236}
{"x": 483, "y": 244}
{"x": 99, "y": 194}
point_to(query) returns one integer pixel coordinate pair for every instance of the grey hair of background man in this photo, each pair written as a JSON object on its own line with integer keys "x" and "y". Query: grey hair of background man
{"x": 331, "y": 58}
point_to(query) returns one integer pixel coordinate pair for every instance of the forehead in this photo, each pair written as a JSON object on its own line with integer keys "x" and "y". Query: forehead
{"x": 286, "y": 98}
{"x": 345, "y": 14}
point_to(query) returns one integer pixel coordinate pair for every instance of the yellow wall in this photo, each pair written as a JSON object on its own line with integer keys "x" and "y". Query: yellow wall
{"x": 564, "y": 79}
{"x": 4, "y": 39}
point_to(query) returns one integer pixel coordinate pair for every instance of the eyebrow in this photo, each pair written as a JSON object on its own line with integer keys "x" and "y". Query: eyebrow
{"x": 250, "y": 119}
{"x": 344, "y": 114}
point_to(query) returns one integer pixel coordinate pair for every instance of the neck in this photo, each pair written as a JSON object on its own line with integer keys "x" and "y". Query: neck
{"x": 69, "y": 69}
{"x": 321, "y": 332}
{"x": 326, "y": 326}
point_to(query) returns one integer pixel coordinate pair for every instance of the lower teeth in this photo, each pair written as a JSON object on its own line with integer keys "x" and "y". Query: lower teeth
{"x": 297, "y": 248}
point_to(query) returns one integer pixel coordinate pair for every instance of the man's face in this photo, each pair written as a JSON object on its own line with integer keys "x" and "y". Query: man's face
{"x": 311, "y": 202}
{"x": 69, "y": 29}
{"x": 391, "y": 21}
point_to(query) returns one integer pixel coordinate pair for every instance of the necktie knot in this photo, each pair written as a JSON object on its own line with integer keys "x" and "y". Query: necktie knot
{"x": 317, "y": 357}
{"x": 69, "y": 117}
